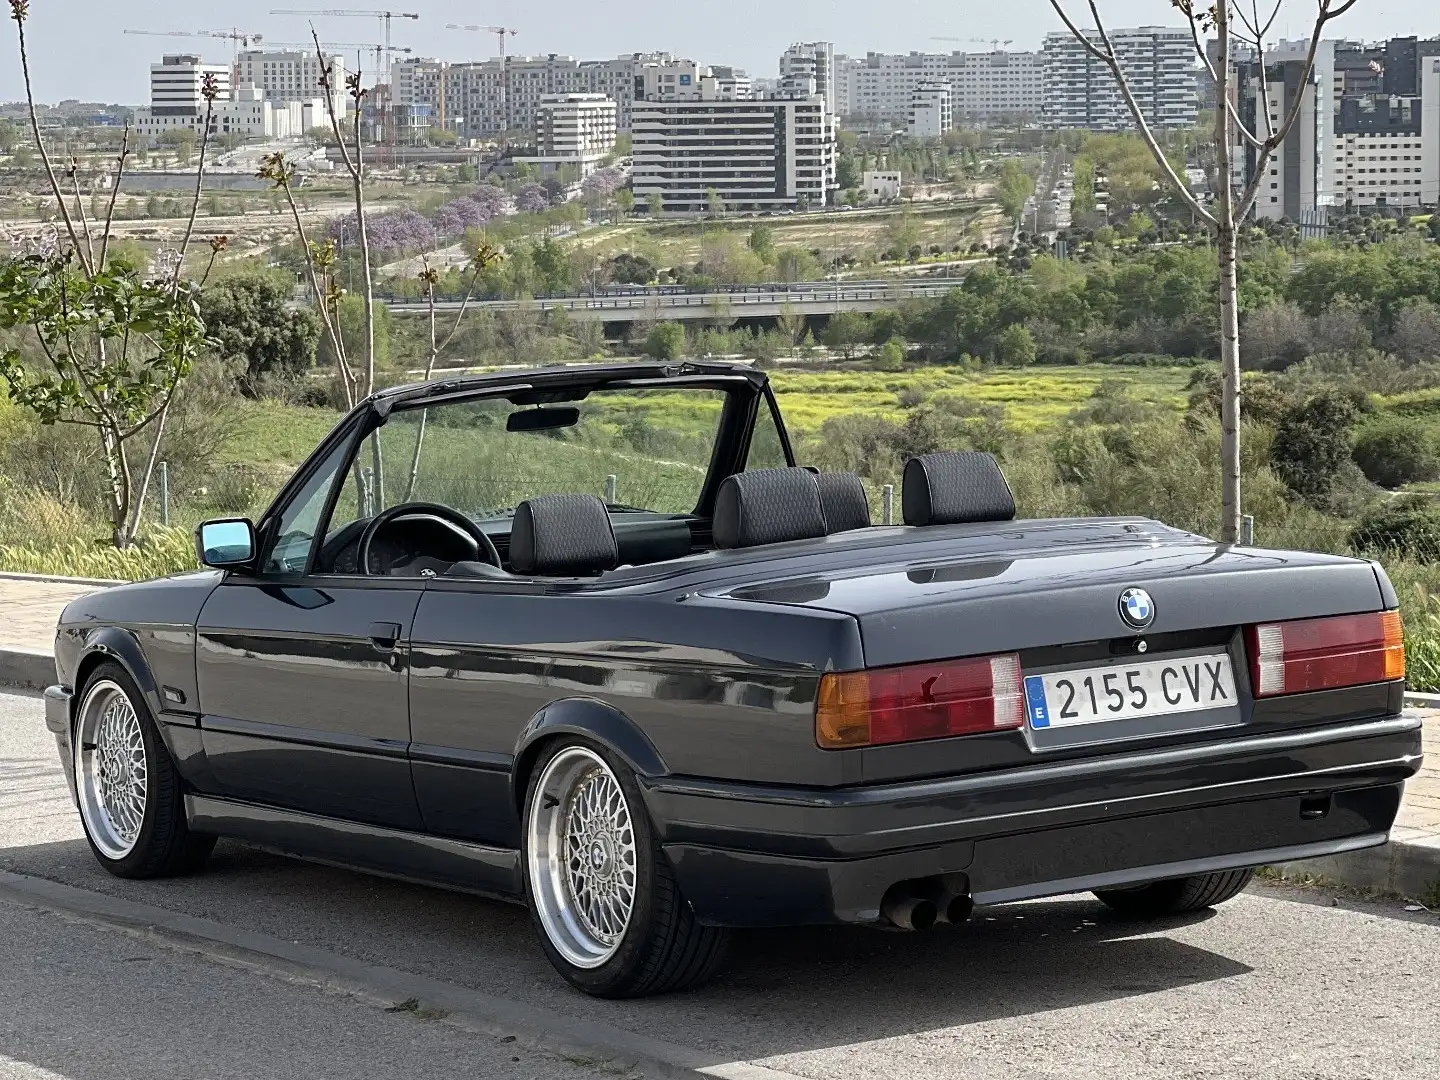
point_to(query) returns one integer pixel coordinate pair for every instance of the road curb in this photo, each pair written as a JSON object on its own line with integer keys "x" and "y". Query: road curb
{"x": 53, "y": 579}
{"x": 1423, "y": 701}
{"x": 1408, "y": 867}
{"x": 470, "y": 1010}
{"x": 26, "y": 669}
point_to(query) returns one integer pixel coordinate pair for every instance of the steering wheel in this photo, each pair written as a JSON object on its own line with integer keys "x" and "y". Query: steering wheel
{"x": 446, "y": 515}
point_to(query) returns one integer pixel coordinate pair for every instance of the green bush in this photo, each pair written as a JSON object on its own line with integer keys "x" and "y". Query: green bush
{"x": 1312, "y": 441}
{"x": 666, "y": 341}
{"x": 1406, "y": 527}
{"x": 1418, "y": 587}
{"x": 1397, "y": 451}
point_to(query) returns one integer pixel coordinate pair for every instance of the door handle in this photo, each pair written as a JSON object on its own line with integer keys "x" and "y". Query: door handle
{"x": 385, "y": 635}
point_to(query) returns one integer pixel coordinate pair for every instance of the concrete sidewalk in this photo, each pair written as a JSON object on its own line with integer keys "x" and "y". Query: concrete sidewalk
{"x": 29, "y": 609}
{"x": 1409, "y": 865}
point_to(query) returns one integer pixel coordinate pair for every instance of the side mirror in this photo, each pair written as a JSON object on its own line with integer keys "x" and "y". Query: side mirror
{"x": 228, "y": 544}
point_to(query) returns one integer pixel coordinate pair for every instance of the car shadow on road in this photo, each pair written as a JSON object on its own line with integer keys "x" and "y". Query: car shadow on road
{"x": 786, "y": 991}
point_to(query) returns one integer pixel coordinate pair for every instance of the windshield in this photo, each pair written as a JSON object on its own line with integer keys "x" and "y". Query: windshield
{"x": 640, "y": 450}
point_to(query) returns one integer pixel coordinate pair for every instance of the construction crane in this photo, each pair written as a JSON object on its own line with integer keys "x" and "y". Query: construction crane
{"x": 501, "y": 32}
{"x": 237, "y": 39}
{"x": 385, "y": 17}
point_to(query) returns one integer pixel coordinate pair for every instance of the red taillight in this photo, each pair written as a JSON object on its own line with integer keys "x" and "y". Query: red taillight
{"x": 1323, "y": 654}
{"x": 919, "y": 701}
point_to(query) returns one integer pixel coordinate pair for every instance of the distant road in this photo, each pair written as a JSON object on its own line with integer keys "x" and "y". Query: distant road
{"x": 739, "y": 302}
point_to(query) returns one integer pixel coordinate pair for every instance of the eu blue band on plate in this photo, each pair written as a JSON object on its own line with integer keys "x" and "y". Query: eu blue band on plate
{"x": 1035, "y": 701}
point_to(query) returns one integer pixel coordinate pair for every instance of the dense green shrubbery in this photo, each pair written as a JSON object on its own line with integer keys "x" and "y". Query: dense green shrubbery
{"x": 1408, "y": 527}
{"x": 1396, "y": 451}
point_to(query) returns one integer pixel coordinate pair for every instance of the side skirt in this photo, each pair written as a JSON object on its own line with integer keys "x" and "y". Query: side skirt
{"x": 409, "y": 856}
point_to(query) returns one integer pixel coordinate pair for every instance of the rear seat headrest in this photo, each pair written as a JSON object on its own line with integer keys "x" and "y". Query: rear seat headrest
{"x": 563, "y": 536}
{"x": 768, "y": 506}
{"x": 949, "y": 489}
{"x": 842, "y": 497}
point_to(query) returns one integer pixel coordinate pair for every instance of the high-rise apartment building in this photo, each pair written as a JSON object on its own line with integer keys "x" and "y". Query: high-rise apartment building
{"x": 815, "y": 60}
{"x": 293, "y": 77}
{"x": 574, "y": 130}
{"x": 984, "y": 87}
{"x": 482, "y": 99}
{"x": 1367, "y": 134}
{"x": 1159, "y": 63}
{"x": 762, "y": 154}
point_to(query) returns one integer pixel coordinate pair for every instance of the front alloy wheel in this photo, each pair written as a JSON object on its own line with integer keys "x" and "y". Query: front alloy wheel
{"x": 111, "y": 770}
{"x": 601, "y": 892}
{"x": 131, "y": 801}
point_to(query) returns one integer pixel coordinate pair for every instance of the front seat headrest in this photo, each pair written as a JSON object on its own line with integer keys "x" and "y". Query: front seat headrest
{"x": 563, "y": 536}
{"x": 842, "y": 497}
{"x": 768, "y": 506}
{"x": 950, "y": 489}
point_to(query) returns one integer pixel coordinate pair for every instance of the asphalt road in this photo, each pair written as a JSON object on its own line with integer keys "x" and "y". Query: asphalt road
{"x": 1279, "y": 984}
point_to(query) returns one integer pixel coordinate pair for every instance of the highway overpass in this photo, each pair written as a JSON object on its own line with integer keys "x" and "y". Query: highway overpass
{"x": 672, "y": 303}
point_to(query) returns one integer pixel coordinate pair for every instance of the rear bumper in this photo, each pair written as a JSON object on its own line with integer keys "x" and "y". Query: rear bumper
{"x": 748, "y": 855}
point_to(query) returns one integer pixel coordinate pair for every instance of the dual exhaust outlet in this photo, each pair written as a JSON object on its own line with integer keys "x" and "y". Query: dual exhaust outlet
{"x": 919, "y": 905}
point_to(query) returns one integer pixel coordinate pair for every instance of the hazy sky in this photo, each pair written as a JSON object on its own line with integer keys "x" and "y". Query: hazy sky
{"x": 79, "y": 49}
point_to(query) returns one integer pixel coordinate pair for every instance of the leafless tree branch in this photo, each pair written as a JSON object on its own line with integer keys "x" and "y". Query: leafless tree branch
{"x": 1108, "y": 57}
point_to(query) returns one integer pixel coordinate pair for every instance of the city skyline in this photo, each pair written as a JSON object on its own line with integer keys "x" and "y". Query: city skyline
{"x": 79, "y": 50}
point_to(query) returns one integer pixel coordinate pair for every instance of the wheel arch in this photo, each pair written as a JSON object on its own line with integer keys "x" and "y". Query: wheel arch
{"x": 591, "y": 719}
{"x": 111, "y": 643}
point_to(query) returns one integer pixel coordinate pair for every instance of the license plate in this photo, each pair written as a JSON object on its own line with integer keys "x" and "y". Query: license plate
{"x": 1130, "y": 691}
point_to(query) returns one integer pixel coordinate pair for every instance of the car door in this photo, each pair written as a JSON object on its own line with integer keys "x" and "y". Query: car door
{"x": 473, "y": 690}
{"x": 303, "y": 677}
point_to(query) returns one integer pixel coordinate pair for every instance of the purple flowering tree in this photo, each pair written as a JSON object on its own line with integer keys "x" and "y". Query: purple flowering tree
{"x": 532, "y": 198}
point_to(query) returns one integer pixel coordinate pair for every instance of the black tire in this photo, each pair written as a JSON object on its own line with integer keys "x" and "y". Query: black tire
{"x": 664, "y": 948}
{"x": 1176, "y": 896}
{"x": 165, "y": 845}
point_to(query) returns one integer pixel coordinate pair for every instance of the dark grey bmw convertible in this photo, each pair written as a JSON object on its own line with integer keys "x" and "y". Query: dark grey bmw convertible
{"x": 589, "y": 639}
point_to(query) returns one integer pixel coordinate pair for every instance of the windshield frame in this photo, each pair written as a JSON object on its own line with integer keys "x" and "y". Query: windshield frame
{"x": 747, "y": 391}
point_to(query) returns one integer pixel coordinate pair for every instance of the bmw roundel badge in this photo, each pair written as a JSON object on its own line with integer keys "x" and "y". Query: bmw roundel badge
{"x": 1136, "y": 608}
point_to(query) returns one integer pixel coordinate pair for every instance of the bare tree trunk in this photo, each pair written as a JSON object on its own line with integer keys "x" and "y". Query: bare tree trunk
{"x": 365, "y": 259}
{"x": 1225, "y": 230}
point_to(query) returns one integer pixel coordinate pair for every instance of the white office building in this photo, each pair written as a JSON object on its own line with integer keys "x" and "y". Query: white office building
{"x": 288, "y": 77}
{"x": 177, "y": 101}
{"x": 574, "y": 130}
{"x": 768, "y": 154}
{"x": 984, "y": 87}
{"x": 1159, "y": 63}
{"x": 177, "y": 81}
{"x": 930, "y": 115}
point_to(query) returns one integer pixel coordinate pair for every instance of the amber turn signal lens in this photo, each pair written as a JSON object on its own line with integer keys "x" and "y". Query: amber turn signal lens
{"x": 842, "y": 712}
{"x": 1394, "y": 645}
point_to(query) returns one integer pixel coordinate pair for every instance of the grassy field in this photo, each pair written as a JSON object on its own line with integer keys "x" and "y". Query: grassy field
{"x": 856, "y": 233}
{"x": 1032, "y": 398}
